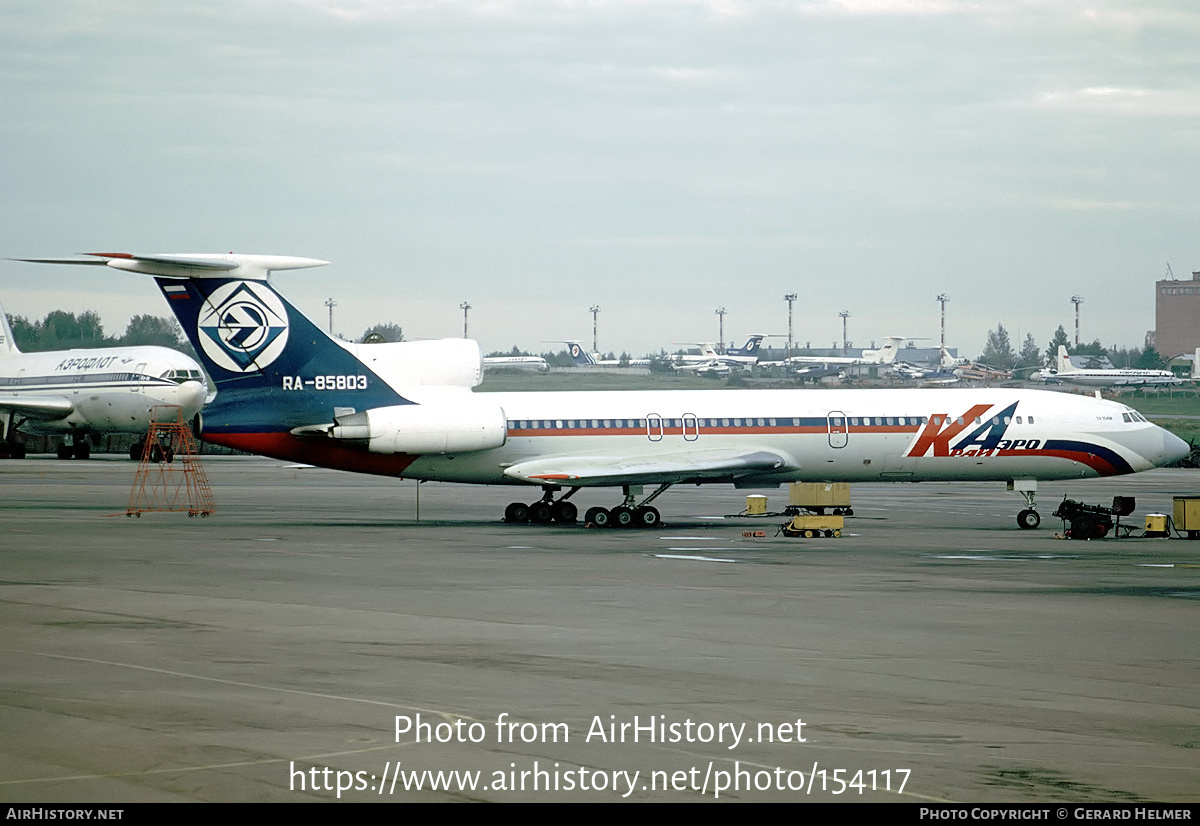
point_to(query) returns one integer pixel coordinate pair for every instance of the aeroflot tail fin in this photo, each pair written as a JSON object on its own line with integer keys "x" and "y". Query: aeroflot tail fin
{"x": 887, "y": 353}
{"x": 8, "y": 345}
{"x": 1064, "y": 361}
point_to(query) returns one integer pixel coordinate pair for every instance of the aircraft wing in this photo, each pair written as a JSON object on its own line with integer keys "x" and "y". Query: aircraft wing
{"x": 48, "y": 408}
{"x": 658, "y": 468}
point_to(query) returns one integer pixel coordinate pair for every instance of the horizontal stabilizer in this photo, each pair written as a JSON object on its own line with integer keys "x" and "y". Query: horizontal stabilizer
{"x": 194, "y": 265}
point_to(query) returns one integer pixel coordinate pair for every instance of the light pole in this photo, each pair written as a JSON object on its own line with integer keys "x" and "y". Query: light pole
{"x": 942, "y": 299}
{"x": 330, "y": 303}
{"x": 844, "y": 314}
{"x": 1077, "y": 300}
{"x": 789, "y": 298}
{"x": 465, "y": 307}
{"x": 595, "y": 311}
{"x": 721, "y": 330}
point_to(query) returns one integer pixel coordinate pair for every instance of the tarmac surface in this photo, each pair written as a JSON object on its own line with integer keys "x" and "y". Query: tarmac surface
{"x": 933, "y": 653}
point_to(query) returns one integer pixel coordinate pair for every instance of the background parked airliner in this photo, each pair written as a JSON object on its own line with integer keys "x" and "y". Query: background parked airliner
{"x": 534, "y": 363}
{"x": 1096, "y": 377}
{"x": 884, "y": 355}
{"x": 82, "y": 393}
{"x": 288, "y": 390}
{"x": 582, "y": 358}
{"x": 708, "y": 360}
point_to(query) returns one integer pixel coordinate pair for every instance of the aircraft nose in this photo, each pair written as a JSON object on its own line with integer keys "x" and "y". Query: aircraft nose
{"x": 1174, "y": 448}
{"x": 192, "y": 394}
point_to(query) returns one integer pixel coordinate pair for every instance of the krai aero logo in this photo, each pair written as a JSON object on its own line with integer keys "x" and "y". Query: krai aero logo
{"x": 243, "y": 328}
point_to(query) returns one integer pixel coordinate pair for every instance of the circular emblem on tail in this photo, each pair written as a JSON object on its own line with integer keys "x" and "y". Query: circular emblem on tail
{"x": 243, "y": 327}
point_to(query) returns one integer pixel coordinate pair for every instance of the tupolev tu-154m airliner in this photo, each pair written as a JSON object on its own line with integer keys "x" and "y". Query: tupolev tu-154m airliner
{"x": 288, "y": 390}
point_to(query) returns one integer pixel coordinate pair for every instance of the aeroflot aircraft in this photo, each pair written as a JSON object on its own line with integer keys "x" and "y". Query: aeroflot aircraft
{"x": 1127, "y": 377}
{"x": 286, "y": 389}
{"x": 884, "y": 355}
{"x": 80, "y": 393}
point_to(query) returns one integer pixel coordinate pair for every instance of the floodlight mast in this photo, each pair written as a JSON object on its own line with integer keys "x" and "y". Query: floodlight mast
{"x": 789, "y": 298}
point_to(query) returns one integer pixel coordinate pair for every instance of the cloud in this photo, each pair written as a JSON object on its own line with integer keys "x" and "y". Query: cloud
{"x": 1126, "y": 101}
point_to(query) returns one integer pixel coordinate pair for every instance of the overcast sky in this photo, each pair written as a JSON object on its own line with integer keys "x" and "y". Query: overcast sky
{"x": 660, "y": 158}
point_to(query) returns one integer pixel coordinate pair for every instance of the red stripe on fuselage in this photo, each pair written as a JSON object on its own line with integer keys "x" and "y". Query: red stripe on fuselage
{"x": 315, "y": 451}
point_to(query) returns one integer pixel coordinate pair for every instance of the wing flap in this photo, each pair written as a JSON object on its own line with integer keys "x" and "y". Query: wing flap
{"x": 660, "y": 468}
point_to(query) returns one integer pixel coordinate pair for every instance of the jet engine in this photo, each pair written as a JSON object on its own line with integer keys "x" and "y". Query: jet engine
{"x": 452, "y": 362}
{"x": 424, "y": 428}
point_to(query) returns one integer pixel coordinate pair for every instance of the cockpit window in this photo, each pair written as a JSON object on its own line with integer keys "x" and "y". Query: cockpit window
{"x": 180, "y": 376}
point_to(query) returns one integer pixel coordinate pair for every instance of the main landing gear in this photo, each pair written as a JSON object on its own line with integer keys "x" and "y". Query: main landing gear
{"x": 74, "y": 448}
{"x": 629, "y": 514}
{"x": 1029, "y": 518}
{"x": 10, "y": 448}
{"x": 546, "y": 510}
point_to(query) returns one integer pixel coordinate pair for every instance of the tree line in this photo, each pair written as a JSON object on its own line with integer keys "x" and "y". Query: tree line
{"x": 998, "y": 352}
{"x": 62, "y": 330}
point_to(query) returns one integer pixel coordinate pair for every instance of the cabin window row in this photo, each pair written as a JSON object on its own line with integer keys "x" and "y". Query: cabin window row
{"x": 835, "y": 421}
{"x": 598, "y": 424}
{"x": 71, "y": 378}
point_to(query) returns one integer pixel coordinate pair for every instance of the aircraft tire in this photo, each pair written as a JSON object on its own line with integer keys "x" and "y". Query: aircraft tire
{"x": 1028, "y": 519}
{"x": 647, "y": 517}
{"x": 598, "y": 517}
{"x": 156, "y": 454}
{"x": 516, "y": 512}
{"x": 541, "y": 513}
{"x": 64, "y": 451}
{"x": 136, "y": 449}
{"x": 565, "y": 513}
{"x": 1083, "y": 527}
{"x": 621, "y": 517}
{"x": 83, "y": 450}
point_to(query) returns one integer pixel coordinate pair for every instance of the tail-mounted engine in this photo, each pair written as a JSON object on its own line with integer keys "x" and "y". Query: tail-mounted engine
{"x": 424, "y": 428}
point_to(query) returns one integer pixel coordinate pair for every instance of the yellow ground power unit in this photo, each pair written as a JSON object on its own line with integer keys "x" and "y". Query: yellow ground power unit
{"x": 756, "y": 505}
{"x": 1156, "y": 525}
{"x": 818, "y": 496}
{"x": 1186, "y": 515}
{"x": 814, "y": 526}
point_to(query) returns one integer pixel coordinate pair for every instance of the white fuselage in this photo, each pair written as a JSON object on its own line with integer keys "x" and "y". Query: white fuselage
{"x": 108, "y": 390}
{"x": 1118, "y": 378}
{"x": 822, "y": 435}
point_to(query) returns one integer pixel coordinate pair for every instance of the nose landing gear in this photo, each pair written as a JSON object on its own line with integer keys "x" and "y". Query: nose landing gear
{"x": 1029, "y": 518}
